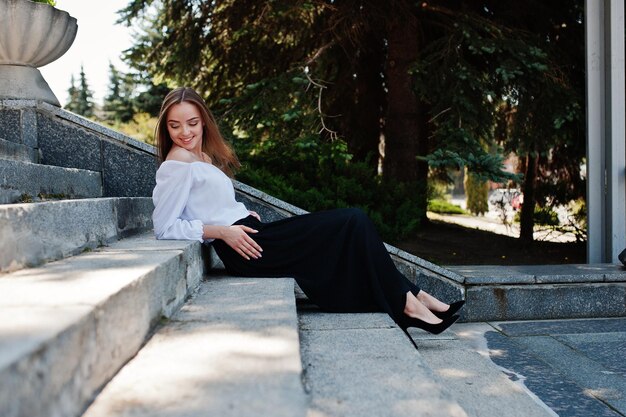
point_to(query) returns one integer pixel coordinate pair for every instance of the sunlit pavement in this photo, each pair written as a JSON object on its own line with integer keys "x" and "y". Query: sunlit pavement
{"x": 492, "y": 222}
{"x": 576, "y": 367}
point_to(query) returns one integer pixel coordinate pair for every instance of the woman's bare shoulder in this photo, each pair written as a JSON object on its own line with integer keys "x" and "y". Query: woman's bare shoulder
{"x": 180, "y": 154}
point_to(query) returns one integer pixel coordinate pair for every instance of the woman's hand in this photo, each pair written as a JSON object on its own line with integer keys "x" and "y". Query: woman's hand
{"x": 255, "y": 214}
{"x": 237, "y": 238}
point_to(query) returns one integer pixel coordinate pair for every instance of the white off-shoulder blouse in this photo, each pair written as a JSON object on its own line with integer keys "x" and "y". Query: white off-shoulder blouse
{"x": 189, "y": 195}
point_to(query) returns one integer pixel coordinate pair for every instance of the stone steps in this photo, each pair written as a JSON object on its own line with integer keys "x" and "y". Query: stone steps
{"x": 66, "y": 327}
{"x": 364, "y": 365}
{"x": 35, "y": 233}
{"x": 21, "y": 180}
{"x": 231, "y": 351}
{"x": 17, "y": 151}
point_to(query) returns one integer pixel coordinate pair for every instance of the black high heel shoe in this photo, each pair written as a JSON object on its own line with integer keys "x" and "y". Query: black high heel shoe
{"x": 405, "y": 322}
{"x": 454, "y": 307}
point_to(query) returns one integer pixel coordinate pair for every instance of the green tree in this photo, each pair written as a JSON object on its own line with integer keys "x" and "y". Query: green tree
{"x": 149, "y": 100}
{"x": 476, "y": 193}
{"x": 119, "y": 102}
{"x": 510, "y": 73}
{"x": 80, "y": 99}
{"x": 72, "y": 96}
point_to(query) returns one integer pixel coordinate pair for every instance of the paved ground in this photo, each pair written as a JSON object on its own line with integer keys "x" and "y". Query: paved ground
{"x": 573, "y": 368}
{"x": 492, "y": 222}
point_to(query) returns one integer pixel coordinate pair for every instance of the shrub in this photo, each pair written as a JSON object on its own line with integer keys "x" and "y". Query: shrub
{"x": 476, "y": 191}
{"x": 444, "y": 207}
{"x": 324, "y": 177}
{"x": 543, "y": 216}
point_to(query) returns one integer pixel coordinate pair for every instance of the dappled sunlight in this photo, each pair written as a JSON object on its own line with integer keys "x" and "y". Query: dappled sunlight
{"x": 495, "y": 353}
{"x": 603, "y": 393}
{"x": 427, "y": 407}
{"x": 24, "y": 329}
{"x": 83, "y": 280}
{"x": 455, "y": 373}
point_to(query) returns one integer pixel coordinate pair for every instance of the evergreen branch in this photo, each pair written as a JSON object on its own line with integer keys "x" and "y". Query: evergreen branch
{"x": 333, "y": 133}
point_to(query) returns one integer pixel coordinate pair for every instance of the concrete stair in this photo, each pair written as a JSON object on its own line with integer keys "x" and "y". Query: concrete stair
{"x": 35, "y": 233}
{"x": 21, "y": 180}
{"x": 364, "y": 365}
{"x": 83, "y": 283}
{"x": 234, "y": 350}
{"x": 17, "y": 151}
{"x": 66, "y": 327}
{"x": 240, "y": 348}
{"x": 231, "y": 351}
{"x": 99, "y": 333}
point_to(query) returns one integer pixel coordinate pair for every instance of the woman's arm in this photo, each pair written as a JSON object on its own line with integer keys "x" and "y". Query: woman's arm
{"x": 236, "y": 237}
{"x": 170, "y": 196}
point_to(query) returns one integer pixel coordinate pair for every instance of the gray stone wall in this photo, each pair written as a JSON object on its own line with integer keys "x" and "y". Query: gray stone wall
{"x": 63, "y": 139}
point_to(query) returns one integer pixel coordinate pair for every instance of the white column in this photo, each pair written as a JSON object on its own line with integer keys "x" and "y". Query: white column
{"x": 594, "y": 50}
{"x": 606, "y": 151}
{"x": 615, "y": 139}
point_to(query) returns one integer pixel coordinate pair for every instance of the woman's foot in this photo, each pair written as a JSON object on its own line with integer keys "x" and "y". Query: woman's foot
{"x": 417, "y": 314}
{"x": 431, "y": 302}
{"x": 416, "y": 309}
{"x": 452, "y": 309}
{"x": 439, "y": 308}
{"x": 405, "y": 322}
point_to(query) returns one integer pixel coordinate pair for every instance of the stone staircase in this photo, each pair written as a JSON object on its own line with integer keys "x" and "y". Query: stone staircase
{"x": 97, "y": 318}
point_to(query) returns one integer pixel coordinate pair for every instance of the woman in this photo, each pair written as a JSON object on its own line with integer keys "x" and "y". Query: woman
{"x": 335, "y": 256}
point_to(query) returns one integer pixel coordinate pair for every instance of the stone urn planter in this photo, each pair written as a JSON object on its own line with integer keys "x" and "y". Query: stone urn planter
{"x": 31, "y": 35}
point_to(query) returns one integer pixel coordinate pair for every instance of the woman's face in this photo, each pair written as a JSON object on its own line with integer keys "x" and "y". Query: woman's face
{"x": 184, "y": 124}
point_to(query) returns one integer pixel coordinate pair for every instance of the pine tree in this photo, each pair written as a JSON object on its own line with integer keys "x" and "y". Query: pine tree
{"x": 80, "y": 99}
{"x": 84, "y": 103}
{"x": 476, "y": 193}
{"x": 72, "y": 96}
{"x": 149, "y": 101}
{"x": 118, "y": 104}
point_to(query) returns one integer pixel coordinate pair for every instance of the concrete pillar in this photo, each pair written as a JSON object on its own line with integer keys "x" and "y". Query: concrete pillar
{"x": 606, "y": 149}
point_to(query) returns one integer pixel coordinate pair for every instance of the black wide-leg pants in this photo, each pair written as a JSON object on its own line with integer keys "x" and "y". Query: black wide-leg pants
{"x": 335, "y": 256}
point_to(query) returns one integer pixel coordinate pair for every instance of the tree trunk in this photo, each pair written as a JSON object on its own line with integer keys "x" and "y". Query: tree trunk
{"x": 402, "y": 121}
{"x": 358, "y": 101}
{"x": 406, "y": 120}
{"x": 369, "y": 102}
{"x": 527, "y": 222}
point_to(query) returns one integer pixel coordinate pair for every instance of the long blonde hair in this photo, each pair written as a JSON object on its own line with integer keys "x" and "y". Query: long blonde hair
{"x": 213, "y": 144}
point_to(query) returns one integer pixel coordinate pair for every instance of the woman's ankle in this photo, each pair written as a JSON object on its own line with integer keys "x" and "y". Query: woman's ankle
{"x": 415, "y": 309}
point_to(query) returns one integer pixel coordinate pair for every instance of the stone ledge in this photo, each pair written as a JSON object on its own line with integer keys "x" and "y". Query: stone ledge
{"x": 17, "y": 151}
{"x": 78, "y": 120}
{"x": 34, "y": 233}
{"x": 34, "y": 179}
{"x": 61, "y": 138}
{"x": 540, "y": 274}
{"x": 67, "y": 327}
{"x": 544, "y": 301}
